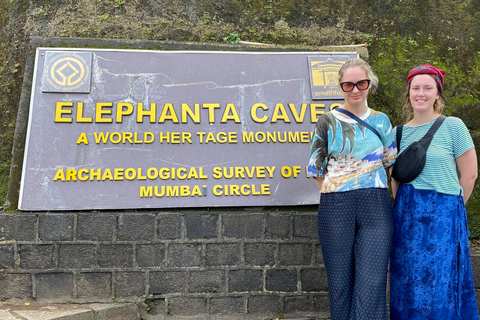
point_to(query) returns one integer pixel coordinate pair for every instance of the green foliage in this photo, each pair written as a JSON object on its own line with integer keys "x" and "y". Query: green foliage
{"x": 104, "y": 17}
{"x": 119, "y": 3}
{"x": 232, "y": 38}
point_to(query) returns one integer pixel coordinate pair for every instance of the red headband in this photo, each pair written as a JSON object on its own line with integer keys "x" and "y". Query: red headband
{"x": 436, "y": 73}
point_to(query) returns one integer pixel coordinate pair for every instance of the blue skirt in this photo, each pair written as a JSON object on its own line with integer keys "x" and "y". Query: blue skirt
{"x": 430, "y": 268}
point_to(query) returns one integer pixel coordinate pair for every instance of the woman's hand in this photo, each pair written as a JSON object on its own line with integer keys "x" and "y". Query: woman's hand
{"x": 319, "y": 182}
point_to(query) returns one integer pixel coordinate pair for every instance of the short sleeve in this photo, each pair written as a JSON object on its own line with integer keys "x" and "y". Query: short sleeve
{"x": 462, "y": 140}
{"x": 388, "y": 141}
{"x": 318, "y": 149}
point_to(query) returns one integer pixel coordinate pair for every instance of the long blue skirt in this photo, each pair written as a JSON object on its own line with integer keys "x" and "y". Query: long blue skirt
{"x": 430, "y": 267}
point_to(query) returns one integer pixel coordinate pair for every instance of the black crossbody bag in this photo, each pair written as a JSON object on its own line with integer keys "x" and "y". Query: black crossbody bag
{"x": 410, "y": 162}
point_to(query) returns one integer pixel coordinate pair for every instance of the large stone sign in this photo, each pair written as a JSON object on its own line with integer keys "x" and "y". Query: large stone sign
{"x": 120, "y": 129}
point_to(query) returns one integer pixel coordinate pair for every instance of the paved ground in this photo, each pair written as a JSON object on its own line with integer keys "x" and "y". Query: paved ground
{"x": 117, "y": 311}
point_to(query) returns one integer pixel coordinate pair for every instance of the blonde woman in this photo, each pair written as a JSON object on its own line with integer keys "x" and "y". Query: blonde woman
{"x": 348, "y": 158}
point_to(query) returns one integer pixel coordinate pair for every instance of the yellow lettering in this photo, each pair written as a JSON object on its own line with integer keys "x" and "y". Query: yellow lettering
{"x": 100, "y": 111}
{"x": 82, "y": 139}
{"x": 211, "y": 110}
{"x": 233, "y": 116}
{"x": 195, "y": 116}
{"x": 146, "y": 192}
{"x": 80, "y": 117}
{"x": 141, "y": 112}
{"x": 60, "y": 175}
{"x": 59, "y": 111}
{"x": 279, "y": 113}
{"x": 123, "y": 109}
{"x": 168, "y": 113}
{"x": 71, "y": 175}
{"x": 253, "y": 112}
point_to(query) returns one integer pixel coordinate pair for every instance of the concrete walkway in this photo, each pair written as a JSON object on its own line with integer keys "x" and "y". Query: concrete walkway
{"x": 121, "y": 311}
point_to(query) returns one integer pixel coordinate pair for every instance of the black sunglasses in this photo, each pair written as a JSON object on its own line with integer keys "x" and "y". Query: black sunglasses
{"x": 349, "y": 86}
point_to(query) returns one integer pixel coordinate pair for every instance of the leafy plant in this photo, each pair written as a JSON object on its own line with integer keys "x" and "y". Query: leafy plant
{"x": 232, "y": 38}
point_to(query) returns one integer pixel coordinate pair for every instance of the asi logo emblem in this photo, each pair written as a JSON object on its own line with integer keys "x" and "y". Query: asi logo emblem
{"x": 67, "y": 72}
{"x": 324, "y": 77}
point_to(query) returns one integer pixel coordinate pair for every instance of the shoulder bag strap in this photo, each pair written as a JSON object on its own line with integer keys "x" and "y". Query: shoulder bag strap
{"x": 427, "y": 138}
{"x": 399, "y": 137}
{"x": 354, "y": 117}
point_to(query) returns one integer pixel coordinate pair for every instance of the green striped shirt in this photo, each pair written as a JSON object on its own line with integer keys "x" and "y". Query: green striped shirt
{"x": 451, "y": 140}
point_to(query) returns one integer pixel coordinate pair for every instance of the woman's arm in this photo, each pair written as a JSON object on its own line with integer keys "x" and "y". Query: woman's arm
{"x": 468, "y": 169}
{"x": 394, "y": 183}
{"x": 319, "y": 182}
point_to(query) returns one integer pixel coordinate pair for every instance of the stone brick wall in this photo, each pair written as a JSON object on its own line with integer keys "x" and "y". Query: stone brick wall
{"x": 181, "y": 262}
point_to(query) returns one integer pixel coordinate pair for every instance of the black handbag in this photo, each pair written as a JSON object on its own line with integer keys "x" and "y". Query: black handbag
{"x": 410, "y": 162}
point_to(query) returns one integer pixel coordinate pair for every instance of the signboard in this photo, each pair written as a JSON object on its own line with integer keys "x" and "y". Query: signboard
{"x": 120, "y": 129}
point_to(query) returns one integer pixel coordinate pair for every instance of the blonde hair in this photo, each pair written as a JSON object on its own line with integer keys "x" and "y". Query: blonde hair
{"x": 438, "y": 105}
{"x": 357, "y": 62}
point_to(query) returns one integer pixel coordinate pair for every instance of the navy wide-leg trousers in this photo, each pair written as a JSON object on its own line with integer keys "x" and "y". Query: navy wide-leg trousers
{"x": 355, "y": 230}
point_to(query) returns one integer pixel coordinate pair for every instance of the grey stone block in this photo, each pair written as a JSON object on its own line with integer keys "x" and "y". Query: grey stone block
{"x": 206, "y": 281}
{"x": 115, "y": 256}
{"x": 295, "y": 254}
{"x": 318, "y": 255}
{"x": 298, "y": 304}
{"x": 136, "y": 227}
{"x": 125, "y": 311}
{"x": 15, "y": 285}
{"x": 96, "y": 227}
{"x": 222, "y": 254}
{"x": 54, "y": 286}
{"x": 55, "y": 227}
{"x": 281, "y": 280}
{"x": 19, "y": 227}
{"x": 245, "y": 280}
{"x": 150, "y": 255}
{"x": 321, "y": 302}
{"x": 243, "y": 226}
{"x": 260, "y": 254}
{"x": 187, "y": 306}
{"x": 169, "y": 226}
{"x": 77, "y": 256}
{"x": 129, "y": 284}
{"x": 7, "y": 257}
{"x": 184, "y": 255}
{"x": 168, "y": 282}
{"x": 94, "y": 285}
{"x": 264, "y": 303}
{"x": 37, "y": 256}
{"x": 305, "y": 226}
{"x": 278, "y": 226}
{"x": 314, "y": 279}
{"x": 201, "y": 226}
{"x": 228, "y": 305}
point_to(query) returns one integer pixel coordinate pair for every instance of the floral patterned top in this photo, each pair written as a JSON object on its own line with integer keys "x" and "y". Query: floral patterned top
{"x": 350, "y": 156}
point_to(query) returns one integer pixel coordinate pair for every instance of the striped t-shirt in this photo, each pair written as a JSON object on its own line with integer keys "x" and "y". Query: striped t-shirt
{"x": 450, "y": 141}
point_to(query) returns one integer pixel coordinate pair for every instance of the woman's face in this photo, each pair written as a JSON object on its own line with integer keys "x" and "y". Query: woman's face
{"x": 355, "y": 74}
{"x": 423, "y": 93}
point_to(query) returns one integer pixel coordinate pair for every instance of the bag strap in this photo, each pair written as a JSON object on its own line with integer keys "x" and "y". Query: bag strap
{"x": 354, "y": 117}
{"x": 427, "y": 138}
{"x": 399, "y": 136}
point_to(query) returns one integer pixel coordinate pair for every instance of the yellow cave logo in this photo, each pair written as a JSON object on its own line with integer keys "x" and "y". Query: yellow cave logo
{"x": 67, "y": 72}
{"x": 325, "y": 73}
{"x": 324, "y": 78}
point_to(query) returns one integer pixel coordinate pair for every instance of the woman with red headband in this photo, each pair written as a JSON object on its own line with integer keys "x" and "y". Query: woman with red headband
{"x": 430, "y": 267}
